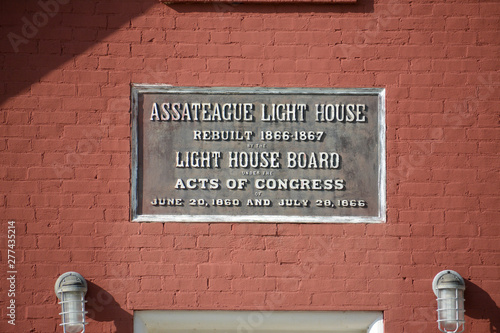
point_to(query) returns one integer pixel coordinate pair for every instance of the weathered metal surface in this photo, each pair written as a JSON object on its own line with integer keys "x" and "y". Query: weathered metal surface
{"x": 258, "y": 155}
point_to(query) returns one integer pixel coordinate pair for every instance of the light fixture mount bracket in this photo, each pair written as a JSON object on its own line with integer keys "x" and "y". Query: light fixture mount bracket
{"x": 447, "y": 279}
{"x": 70, "y": 281}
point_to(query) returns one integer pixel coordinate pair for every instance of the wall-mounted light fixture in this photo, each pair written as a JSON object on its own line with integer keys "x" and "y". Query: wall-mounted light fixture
{"x": 449, "y": 288}
{"x": 71, "y": 288}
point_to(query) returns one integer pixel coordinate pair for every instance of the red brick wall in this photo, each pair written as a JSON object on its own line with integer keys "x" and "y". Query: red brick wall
{"x": 65, "y": 158}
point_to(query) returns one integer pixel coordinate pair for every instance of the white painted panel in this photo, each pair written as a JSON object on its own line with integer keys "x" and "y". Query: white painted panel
{"x": 258, "y": 321}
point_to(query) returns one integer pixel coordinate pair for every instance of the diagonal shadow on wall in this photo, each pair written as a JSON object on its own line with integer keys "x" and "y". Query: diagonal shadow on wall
{"x": 38, "y": 36}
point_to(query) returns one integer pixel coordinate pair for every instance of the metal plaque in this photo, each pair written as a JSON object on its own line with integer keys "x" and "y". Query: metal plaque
{"x": 258, "y": 154}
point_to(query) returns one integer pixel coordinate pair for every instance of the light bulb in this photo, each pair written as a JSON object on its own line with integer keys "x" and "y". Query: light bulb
{"x": 73, "y": 312}
{"x": 450, "y": 305}
{"x": 71, "y": 288}
{"x": 449, "y": 288}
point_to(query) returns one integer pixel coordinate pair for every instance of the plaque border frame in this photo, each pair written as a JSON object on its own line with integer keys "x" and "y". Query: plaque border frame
{"x": 139, "y": 88}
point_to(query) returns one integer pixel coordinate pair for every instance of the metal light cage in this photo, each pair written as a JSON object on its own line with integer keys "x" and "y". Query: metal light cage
{"x": 71, "y": 288}
{"x": 449, "y": 288}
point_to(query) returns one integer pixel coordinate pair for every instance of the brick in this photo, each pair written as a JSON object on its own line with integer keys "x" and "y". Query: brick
{"x": 220, "y": 299}
{"x": 457, "y": 23}
{"x": 218, "y": 65}
{"x": 151, "y": 255}
{"x": 150, "y": 301}
{"x": 483, "y": 134}
{"x": 287, "y": 284}
{"x": 255, "y": 229}
{"x": 254, "y": 284}
{"x": 114, "y": 173}
{"x": 455, "y": 189}
{"x": 286, "y": 242}
{"x": 253, "y": 270}
{"x": 83, "y": 228}
{"x": 214, "y": 23}
{"x": 458, "y": 258}
{"x": 299, "y": 299}
{"x": 489, "y": 147}
{"x": 186, "y": 229}
{"x": 115, "y": 257}
{"x": 50, "y": 173}
{"x": 212, "y": 78}
{"x": 484, "y": 162}
{"x": 460, "y": 147}
{"x": 185, "y": 242}
{"x": 216, "y": 284}
{"x": 489, "y": 188}
{"x": 83, "y": 186}
{"x": 422, "y": 189}
{"x": 47, "y": 256}
{"x": 51, "y": 131}
{"x": 144, "y": 242}
{"x": 186, "y": 298}
{"x": 420, "y": 133}
{"x": 485, "y": 272}
{"x": 253, "y": 256}
{"x": 455, "y": 202}
{"x": 316, "y": 65}
{"x": 287, "y": 256}
{"x": 86, "y": 157}
{"x": 52, "y": 89}
{"x": 386, "y": 65}
{"x": 83, "y": 172}
{"x": 21, "y": 130}
{"x": 54, "y": 145}
{"x": 187, "y": 256}
{"x": 150, "y": 228}
{"x": 78, "y": 241}
{"x": 189, "y": 270}
{"x": 488, "y": 203}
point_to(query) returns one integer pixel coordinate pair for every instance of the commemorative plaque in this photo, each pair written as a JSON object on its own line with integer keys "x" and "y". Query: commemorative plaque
{"x": 258, "y": 154}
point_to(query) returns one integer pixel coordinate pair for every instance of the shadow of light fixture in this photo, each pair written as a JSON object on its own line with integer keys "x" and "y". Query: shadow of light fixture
{"x": 449, "y": 289}
{"x": 70, "y": 289}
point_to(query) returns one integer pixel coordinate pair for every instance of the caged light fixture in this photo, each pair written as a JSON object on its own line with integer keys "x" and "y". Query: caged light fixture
{"x": 71, "y": 288}
{"x": 449, "y": 288}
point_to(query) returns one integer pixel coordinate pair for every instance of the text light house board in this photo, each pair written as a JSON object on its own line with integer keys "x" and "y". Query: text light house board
{"x": 258, "y": 154}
